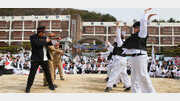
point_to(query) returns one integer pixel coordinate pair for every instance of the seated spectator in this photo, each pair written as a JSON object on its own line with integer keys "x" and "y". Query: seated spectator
{"x": 95, "y": 69}
{"x": 163, "y": 72}
{"x": 83, "y": 67}
{"x": 88, "y": 68}
{"x": 71, "y": 68}
{"x": 177, "y": 75}
{"x": 2, "y": 69}
{"x": 79, "y": 67}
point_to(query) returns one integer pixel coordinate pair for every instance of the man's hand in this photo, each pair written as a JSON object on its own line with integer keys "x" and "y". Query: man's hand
{"x": 125, "y": 27}
{"x": 151, "y": 16}
{"x": 115, "y": 35}
{"x": 147, "y": 10}
{"x": 48, "y": 40}
{"x": 117, "y": 24}
{"x": 107, "y": 44}
{"x": 61, "y": 52}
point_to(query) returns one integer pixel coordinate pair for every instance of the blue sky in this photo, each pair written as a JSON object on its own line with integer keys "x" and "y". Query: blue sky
{"x": 128, "y": 14}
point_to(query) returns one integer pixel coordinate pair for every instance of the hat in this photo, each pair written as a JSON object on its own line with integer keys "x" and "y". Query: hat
{"x": 41, "y": 29}
{"x": 52, "y": 34}
{"x": 136, "y": 24}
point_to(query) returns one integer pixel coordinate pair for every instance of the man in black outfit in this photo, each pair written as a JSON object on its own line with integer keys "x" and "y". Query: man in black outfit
{"x": 40, "y": 56}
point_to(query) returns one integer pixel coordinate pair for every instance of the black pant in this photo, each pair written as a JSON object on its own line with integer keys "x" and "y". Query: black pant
{"x": 80, "y": 70}
{"x": 2, "y": 69}
{"x": 34, "y": 67}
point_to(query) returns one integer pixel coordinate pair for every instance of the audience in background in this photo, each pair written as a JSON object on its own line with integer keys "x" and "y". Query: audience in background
{"x": 20, "y": 64}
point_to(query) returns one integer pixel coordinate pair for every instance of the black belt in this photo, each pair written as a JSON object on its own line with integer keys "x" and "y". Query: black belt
{"x": 137, "y": 54}
{"x": 123, "y": 55}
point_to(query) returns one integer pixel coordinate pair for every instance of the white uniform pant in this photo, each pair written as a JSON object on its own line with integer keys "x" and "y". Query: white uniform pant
{"x": 140, "y": 79}
{"x": 109, "y": 68}
{"x": 16, "y": 71}
{"x": 118, "y": 65}
{"x": 125, "y": 77}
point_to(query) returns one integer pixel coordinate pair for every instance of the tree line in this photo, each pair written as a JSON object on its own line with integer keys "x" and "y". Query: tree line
{"x": 85, "y": 15}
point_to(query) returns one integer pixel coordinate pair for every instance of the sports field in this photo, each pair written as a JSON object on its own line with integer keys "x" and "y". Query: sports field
{"x": 84, "y": 83}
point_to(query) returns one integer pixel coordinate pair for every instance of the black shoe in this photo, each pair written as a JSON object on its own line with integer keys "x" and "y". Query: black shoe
{"x": 61, "y": 78}
{"x": 127, "y": 89}
{"x": 124, "y": 87}
{"x": 108, "y": 89}
{"x": 114, "y": 86}
{"x": 55, "y": 86}
{"x": 107, "y": 79}
{"x": 27, "y": 90}
{"x": 51, "y": 87}
{"x": 45, "y": 85}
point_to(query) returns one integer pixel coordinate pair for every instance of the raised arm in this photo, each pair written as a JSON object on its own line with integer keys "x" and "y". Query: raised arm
{"x": 143, "y": 23}
{"x": 118, "y": 38}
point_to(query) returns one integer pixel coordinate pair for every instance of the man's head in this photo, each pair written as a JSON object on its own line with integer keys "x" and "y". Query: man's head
{"x": 15, "y": 60}
{"x": 136, "y": 27}
{"x": 56, "y": 45}
{"x": 71, "y": 63}
{"x": 41, "y": 31}
{"x": 52, "y": 35}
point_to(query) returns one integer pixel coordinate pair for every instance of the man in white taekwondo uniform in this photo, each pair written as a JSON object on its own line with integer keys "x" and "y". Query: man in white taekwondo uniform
{"x": 136, "y": 45}
{"x": 108, "y": 55}
{"x": 125, "y": 78}
{"x": 119, "y": 61}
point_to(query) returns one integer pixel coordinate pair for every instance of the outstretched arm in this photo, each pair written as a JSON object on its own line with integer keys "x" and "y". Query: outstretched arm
{"x": 109, "y": 47}
{"x": 55, "y": 50}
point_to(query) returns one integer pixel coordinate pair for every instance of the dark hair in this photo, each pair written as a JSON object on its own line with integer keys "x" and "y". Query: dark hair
{"x": 136, "y": 24}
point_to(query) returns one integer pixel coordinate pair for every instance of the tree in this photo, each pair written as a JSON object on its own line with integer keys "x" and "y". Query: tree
{"x": 134, "y": 20}
{"x": 161, "y": 20}
{"x": 155, "y": 20}
{"x": 171, "y": 20}
{"x": 85, "y": 15}
{"x": 26, "y": 45}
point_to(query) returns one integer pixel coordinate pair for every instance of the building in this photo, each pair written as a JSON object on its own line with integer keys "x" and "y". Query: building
{"x": 160, "y": 34}
{"x": 17, "y": 29}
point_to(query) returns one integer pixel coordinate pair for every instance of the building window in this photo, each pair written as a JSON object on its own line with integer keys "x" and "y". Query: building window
{"x": 45, "y": 23}
{"x": 176, "y": 29}
{"x": 152, "y": 30}
{"x": 18, "y": 24}
{"x": 29, "y": 24}
{"x": 99, "y": 30}
{"x": 56, "y": 24}
{"x": 167, "y": 29}
{"x": 89, "y": 29}
{"x": 3, "y": 35}
{"x": 17, "y": 35}
{"x": 113, "y": 29}
{"x": 167, "y": 40}
{"x": 3, "y": 24}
